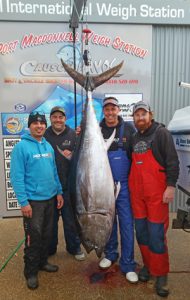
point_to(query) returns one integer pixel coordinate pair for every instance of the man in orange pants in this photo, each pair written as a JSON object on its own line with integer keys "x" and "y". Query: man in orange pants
{"x": 153, "y": 176}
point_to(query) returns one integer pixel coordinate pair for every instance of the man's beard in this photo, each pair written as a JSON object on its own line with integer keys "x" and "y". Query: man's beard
{"x": 142, "y": 126}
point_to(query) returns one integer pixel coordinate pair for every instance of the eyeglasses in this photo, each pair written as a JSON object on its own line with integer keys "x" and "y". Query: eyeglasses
{"x": 35, "y": 113}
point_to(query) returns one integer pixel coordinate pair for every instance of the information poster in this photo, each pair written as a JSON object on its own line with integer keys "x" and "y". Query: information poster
{"x": 8, "y": 145}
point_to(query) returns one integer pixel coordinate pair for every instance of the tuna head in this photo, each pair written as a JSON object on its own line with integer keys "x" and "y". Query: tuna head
{"x": 96, "y": 230}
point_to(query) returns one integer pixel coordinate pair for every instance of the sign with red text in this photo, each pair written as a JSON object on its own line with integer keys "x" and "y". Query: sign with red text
{"x": 33, "y": 78}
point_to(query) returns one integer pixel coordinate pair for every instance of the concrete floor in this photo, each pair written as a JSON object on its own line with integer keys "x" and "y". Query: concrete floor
{"x": 83, "y": 280}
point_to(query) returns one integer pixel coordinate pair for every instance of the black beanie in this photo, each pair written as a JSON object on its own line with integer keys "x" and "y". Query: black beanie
{"x": 36, "y": 117}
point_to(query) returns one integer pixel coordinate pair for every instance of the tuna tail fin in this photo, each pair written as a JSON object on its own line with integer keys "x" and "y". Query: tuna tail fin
{"x": 105, "y": 76}
{"x": 117, "y": 189}
{"x": 78, "y": 77}
{"x": 90, "y": 82}
{"x": 109, "y": 141}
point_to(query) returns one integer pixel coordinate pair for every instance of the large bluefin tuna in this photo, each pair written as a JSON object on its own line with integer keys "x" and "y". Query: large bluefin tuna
{"x": 95, "y": 204}
{"x": 95, "y": 190}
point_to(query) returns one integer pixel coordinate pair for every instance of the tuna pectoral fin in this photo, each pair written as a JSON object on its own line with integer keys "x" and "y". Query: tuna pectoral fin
{"x": 117, "y": 189}
{"x": 68, "y": 157}
{"x": 109, "y": 141}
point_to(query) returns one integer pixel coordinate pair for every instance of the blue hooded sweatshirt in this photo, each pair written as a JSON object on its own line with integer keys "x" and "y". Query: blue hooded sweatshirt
{"x": 33, "y": 171}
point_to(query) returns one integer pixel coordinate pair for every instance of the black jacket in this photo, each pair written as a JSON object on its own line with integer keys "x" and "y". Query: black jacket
{"x": 127, "y": 135}
{"x": 65, "y": 140}
{"x": 160, "y": 141}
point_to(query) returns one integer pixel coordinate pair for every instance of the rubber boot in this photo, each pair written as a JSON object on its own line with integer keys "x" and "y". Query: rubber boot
{"x": 144, "y": 274}
{"x": 161, "y": 286}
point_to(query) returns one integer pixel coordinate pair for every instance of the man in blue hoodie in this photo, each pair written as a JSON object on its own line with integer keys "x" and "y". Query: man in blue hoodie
{"x": 36, "y": 184}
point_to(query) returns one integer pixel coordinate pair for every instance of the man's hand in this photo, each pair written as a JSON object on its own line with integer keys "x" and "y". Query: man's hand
{"x": 67, "y": 154}
{"x": 26, "y": 211}
{"x": 60, "y": 201}
{"x": 168, "y": 195}
{"x": 78, "y": 130}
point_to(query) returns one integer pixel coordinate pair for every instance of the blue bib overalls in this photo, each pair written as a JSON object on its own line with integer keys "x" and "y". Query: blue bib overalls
{"x": 120, "y": 165}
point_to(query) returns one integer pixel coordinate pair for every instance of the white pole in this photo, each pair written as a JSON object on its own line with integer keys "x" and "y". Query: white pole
{"x": 184, "y": 84}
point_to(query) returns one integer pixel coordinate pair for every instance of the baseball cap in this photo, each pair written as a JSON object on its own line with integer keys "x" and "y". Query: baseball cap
{"x": 110, "y": 100}
{"x": 57, "y": 109}
{"x": 142, "y": 105}
{"x": 36, "y": 117}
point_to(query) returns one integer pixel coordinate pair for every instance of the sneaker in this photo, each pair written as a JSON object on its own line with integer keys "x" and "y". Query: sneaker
{"x": 49, "y": 268}
{"x": 161, "y": 286}
{"x": 80, "y": 256}
{"x": 105, "y": 263}
{"x": 32, "y": 282}
{"x": 132, "y": 277}
{"x": 144, "y": 274}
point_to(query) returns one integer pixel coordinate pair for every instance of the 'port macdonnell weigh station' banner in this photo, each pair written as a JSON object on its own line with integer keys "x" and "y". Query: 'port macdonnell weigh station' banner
{"x": 32, "y": 78}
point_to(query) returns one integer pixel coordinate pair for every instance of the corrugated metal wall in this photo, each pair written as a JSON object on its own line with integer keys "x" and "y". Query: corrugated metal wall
{"x": 170, "y": 64}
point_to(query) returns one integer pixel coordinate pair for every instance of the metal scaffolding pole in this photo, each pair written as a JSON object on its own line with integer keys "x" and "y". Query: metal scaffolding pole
{"x": 78, "y": 5}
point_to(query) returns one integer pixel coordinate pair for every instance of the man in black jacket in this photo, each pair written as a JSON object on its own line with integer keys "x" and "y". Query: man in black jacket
{"x": 153, "y": 176}
{"x": 63, "y": 138}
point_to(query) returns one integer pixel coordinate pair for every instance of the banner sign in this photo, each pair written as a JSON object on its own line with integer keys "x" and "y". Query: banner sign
{"x": 106, "y": 11}
{"x": 32, "y": 77}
